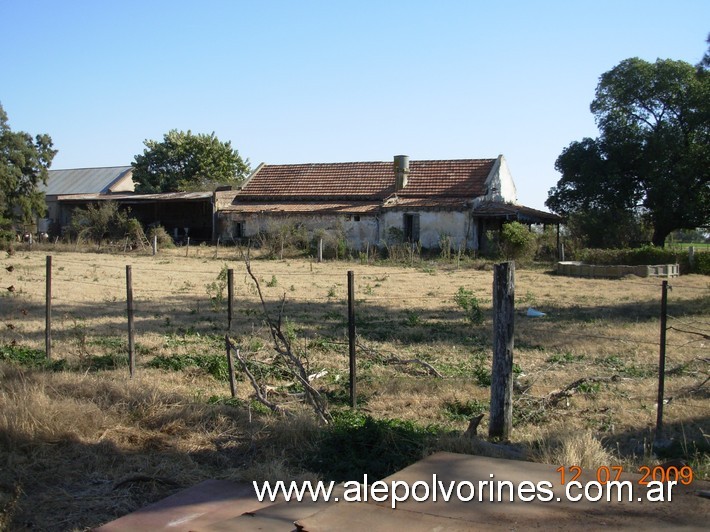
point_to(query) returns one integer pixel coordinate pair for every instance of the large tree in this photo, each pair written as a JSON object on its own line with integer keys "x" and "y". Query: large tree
{"x": 187, "y": 162}
{"x": 652, "y": 158}
{"x": 24, "y": 164}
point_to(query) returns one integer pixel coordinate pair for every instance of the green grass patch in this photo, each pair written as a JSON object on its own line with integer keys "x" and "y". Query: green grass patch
{"x": 30, "y": 358}
{"x": 457, "y": 410}
{"x": 357, "y": 444}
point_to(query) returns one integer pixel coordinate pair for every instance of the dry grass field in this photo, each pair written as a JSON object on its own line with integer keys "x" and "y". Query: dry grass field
{"x": 81, "y": 443}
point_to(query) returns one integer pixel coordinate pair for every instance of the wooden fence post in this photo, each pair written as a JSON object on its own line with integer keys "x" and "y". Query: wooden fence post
{"x": 320, "y": 250}
{"x": 48, "y": 310}
{"x": 662, "y": 360}
{"x": 187, "y": 247}
{"x": 230, "y": 298}
{"x": 129, "y": 306}
{"x": 351, "y": 336}
{"x": 230, "y": 366}
{"x": 155, "y": 245}
{"x": 501, "y": 409}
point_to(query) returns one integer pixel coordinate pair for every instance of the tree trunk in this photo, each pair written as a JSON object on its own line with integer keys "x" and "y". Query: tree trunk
{"x": 659, "y": 237}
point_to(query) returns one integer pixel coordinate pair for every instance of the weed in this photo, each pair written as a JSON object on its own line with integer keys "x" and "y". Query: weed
{"x": 469, "y": 304}
{"x": 457, "y": 410}
{"x": 357, "y": 444}
{"x": 273, "y": 282}
{"x": 413, "y": 318}
{"x": 30, "y": 358}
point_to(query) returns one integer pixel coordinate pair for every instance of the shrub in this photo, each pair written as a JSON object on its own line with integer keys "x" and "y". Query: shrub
{"x": 517, "y": 242}
{"x": 469, "y": 303}
{"x": 164, "y": 239}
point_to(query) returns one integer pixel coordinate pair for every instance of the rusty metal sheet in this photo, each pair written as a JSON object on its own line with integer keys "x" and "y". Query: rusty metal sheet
{"x": 194, "y": 508}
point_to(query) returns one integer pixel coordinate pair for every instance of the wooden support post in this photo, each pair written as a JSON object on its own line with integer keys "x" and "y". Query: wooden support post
{"x": 187, "y": 247}
{"x": 230, "y": 298}
{"x": 230, "y": 367}
{"x": 320, "y": 250}
{"x": 501, "y": 410}
{"x": 155, "y": 244}
{"x": 351, "y": 337}
{"x": 129, "y": 306}
{"x": 48, "y": 310}
{"x": 662, "y": 360}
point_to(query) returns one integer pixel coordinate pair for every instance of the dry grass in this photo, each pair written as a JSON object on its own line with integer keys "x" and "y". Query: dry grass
{"x": 84, "y": 445}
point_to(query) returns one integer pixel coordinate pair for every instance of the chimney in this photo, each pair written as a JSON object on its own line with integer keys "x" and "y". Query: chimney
{"x": 401, "y": 171}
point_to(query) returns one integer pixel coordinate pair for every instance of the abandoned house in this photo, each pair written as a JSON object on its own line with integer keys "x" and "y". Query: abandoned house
{"x": 379, "y": 203}
{"x": 182, "y": 214}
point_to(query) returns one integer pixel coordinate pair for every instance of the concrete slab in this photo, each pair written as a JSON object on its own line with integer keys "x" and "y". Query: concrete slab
{"x": 194, "y": 508}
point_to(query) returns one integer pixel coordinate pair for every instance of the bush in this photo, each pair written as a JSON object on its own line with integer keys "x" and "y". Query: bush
{"x": 632, "y": 257}
{"x": 469, "y": 303}
{"x": 701, "y": 263}
{"x": 517, "y": 242}
{"x": 164, "y": 239}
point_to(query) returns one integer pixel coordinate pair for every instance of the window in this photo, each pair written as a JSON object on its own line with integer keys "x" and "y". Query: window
{"x": 356, "y": 217}
{"x": 411, "y": 228}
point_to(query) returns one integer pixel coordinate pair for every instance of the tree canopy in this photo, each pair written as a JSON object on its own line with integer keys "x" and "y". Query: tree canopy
{"x": 187, "y": 162}
{"x": 652, "y": 158}
{"x": 24, "y": 164}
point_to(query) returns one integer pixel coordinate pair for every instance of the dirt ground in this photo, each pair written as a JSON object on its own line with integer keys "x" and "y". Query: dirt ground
{"x": 78, "y": 434}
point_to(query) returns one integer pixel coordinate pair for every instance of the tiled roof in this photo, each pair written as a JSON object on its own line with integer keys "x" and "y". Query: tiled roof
{"x": 426, "y": 203}
{"x": 368, "y": 180}
{"x": 357, "y": 207}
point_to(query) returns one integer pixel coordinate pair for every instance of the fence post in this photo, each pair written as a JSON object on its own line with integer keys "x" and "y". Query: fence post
{"x": 351, "y": 336}
{"x": 155, "y": 244}
{"x": 230, "y": 297}
{"x": 691, "y": 256}
{"x": 48, "y": 310}
{"x": 501, "y": 409}
{"x": 662, "y": 360}
{"x": 187, "y": 247}
{"x": 320, "y": 250}
{"x": 230, "y": 366}
{"x": 129, "y": 306}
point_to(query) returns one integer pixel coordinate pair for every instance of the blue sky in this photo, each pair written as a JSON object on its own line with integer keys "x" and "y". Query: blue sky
{"x": 329, "y": 81}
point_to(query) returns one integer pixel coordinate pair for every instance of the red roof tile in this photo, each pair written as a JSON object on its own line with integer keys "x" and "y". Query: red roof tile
{"x": 319, "y": 207}
{"x": 368, "y": 180}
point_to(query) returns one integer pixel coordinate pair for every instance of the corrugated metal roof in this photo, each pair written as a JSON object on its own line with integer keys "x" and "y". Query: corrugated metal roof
{"x": 138, "y": 198}
{"x": 88, "y": 180}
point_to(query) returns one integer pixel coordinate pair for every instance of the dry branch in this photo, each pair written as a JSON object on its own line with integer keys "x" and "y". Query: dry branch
{"x": 400, "y": 361}
{"x": 282, "y": 346}
{"x": 555, "y": 397}
{"x": 260, "y": 396}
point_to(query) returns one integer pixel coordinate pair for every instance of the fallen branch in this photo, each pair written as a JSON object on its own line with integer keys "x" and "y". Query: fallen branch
{"x": 555, "y": 397}
{"x": 399, "y": 361}
{"x": 282, "y": 346}
{"x": 260, "y": 396}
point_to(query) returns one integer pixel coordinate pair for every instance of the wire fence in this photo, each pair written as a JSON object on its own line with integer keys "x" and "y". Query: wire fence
{"x": 402, "y": 312}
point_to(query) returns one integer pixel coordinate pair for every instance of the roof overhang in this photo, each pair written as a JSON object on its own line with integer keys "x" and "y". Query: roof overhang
{"x": 514, "y": 212}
